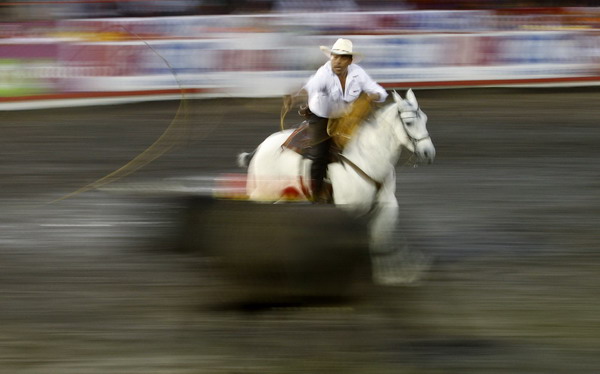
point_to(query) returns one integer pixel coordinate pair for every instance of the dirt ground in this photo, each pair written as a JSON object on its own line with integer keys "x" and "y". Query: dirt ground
{"x": 507, "y": 219}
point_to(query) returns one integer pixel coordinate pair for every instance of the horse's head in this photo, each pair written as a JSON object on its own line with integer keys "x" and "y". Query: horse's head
{"x": 412, "y": 128}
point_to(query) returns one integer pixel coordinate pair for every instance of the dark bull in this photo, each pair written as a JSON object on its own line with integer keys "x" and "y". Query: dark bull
{"x": 280, "y": 252}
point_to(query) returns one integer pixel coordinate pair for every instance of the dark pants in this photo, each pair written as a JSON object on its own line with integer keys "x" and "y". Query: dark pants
{"x": 319, "y": 150}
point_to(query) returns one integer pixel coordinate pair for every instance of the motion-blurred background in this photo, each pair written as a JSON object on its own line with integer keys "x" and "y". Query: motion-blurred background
{"x": 267, "y": 48}
{"x": 143, "y": 98}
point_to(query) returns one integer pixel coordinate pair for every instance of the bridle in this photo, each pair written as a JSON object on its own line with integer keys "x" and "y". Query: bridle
{"x": 413, "y": 139}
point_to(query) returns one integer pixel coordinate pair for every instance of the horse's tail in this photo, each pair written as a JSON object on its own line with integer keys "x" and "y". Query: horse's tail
{"x": 243, "y": 159}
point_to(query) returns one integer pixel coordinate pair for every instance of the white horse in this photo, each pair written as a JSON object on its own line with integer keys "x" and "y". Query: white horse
{"x": 364, "y": 182}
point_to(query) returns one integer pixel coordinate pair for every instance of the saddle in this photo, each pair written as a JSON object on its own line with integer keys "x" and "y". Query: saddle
{"x": 340, "y": 130}
{"x": 299, "y": 141}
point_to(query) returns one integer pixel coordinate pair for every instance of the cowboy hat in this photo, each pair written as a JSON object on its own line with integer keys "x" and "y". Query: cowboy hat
{"x": 341, "y": 47}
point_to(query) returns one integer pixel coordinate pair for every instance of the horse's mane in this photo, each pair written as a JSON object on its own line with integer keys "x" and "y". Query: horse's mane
{"x": 377, "y": 120}
{"x": 374, "y": 147}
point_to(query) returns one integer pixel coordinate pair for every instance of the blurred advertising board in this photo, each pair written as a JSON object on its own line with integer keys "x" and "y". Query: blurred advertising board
{"x": 273, "y": 54}
{"x": 26, "y": 66}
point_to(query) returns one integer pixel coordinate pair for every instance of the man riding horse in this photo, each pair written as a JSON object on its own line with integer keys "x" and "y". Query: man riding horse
{"x": 332, "y": 91}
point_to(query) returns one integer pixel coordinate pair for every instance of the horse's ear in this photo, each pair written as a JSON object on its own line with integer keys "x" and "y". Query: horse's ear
{"x": 411, "y": 98}
{"x": 397, "y": 97}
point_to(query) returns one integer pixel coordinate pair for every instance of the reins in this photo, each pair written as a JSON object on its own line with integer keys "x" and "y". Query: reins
{"x": 361, "y": 172}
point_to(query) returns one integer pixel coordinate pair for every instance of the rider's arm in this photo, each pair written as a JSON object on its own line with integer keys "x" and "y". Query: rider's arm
{"x": 372, "y": 88}
{"x": 312, "y": 86}
{"x": 317, "y": 84}
{"x": 317, "y": 89}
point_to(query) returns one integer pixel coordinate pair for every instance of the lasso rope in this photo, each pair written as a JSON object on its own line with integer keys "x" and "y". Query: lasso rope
{"x": 285, "y": 108}
{"x": 163, "y": 144}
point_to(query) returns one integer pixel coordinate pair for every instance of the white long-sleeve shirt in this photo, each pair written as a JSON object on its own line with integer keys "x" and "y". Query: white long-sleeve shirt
{"x": 325, "y": 96}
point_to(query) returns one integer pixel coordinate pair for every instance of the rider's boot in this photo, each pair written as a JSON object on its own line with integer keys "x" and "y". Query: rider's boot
{"x": 319, "y": 154}
{"x": 318, "y": 192}
{"x": 324, "y": 195}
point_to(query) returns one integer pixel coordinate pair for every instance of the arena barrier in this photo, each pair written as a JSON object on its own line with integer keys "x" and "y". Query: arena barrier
{"x": 114, "y": 60}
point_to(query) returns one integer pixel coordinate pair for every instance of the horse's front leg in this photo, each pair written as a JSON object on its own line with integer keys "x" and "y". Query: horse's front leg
{"x": 391, "y": 260}
{"x": 384, "y": 217}
{"x": 386, "y": 253}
